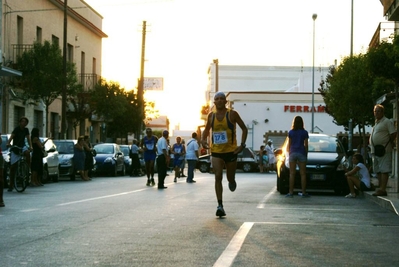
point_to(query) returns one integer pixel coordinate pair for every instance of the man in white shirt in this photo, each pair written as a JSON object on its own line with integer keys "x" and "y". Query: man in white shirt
{"x": 192, "y": 157}
{"x": 162, "y": 159}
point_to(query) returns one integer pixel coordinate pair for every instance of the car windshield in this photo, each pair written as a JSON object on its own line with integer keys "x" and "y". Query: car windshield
{"x": 104, "y": 149}
{"x": 324, "y": 144}
{"x": 64, "y": 147}
{"x": 125, "y": 150}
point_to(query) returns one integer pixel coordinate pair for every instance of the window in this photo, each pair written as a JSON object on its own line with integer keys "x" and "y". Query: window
{"x": 38, "y": 34}
{"x": 70, "y": 53}
{"x": 55, "y": 39}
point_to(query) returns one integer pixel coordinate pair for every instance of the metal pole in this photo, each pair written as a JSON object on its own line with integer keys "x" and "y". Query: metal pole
{"x": 314, "y": 16}
{"x": 350, "y": 124}
{"x": 140, "y": 89}
{"x": 64, "y": 53}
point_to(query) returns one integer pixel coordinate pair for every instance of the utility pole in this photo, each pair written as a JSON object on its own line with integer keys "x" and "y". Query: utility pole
{"x": 350, "y": 124}
{"x": 64, "y": 86}
{"x": 140, "y": 88}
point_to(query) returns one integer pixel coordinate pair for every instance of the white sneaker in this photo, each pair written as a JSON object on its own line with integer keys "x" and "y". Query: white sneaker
{"x": 350, "y": 196}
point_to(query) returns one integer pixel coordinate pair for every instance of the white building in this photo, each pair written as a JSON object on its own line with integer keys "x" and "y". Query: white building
{"x": 269, "y": 97}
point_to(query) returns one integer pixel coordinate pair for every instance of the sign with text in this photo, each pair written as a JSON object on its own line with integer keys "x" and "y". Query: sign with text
{"x": 153, "y": 83}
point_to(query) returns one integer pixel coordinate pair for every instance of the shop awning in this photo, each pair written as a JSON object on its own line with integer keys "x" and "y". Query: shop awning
{"x": 6, "y": 71}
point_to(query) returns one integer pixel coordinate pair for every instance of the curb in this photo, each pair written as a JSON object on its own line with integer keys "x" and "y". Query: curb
{"x": 383, "y": 202}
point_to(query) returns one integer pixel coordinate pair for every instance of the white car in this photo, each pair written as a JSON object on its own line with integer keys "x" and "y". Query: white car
{"x": 51, "y": 162}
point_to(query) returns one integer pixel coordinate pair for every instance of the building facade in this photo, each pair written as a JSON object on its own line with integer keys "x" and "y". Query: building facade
{"x": 27, "y": 22}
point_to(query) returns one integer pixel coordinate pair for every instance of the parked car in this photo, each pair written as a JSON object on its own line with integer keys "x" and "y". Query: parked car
{"x": 325, "y": 167}
{"x": 109, "y": 159}
{"x": 65, "y": 151}
{"x": 246, "y": 161}
{"x": 51, "y": 162}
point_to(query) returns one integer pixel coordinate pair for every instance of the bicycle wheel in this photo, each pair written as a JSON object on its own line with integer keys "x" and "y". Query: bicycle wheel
{"x": 21, "y": 180}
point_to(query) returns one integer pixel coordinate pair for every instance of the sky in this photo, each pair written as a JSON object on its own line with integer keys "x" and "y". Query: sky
{"x": 184, "y": 36}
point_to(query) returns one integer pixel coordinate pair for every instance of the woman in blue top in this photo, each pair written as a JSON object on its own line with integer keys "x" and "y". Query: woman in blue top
{"x": 298, "y": 154}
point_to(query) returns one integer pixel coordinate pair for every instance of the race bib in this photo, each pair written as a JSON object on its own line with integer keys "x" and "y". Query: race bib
{"x": 220, "y": 138}
{"x": 150, "y": 146}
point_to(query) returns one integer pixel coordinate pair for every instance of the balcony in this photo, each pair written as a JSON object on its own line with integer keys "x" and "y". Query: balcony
{"x": 88, "y": 80}
{"x": 391, "y": 9}
{"x": 18, "y": 50}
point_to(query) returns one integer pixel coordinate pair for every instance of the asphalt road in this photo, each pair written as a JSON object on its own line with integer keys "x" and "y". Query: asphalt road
{"x": 118, "y": 221}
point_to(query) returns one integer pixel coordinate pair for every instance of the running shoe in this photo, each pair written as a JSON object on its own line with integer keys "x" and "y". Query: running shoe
{"x": 220, "y": 211}
{"x": 152, "y": 182}
{"x": 350, "y": 196}
{"x": 148, "y": 183}
{"x": 174, "y": 180}
{"x": 232, "y": 186}
{"x": 289, "y": 195}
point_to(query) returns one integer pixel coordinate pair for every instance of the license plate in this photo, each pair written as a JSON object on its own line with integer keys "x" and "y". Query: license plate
{"x": 318, "y": 177}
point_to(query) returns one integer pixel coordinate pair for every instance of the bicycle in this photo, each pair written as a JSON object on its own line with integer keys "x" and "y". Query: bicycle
{"x": 22, "y": 177}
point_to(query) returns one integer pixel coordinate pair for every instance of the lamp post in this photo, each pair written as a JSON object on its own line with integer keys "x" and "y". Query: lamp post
{"x": 314, "y": 16}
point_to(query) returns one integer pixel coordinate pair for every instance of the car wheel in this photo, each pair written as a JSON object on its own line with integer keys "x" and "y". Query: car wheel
{"x": 114, "y": 172}
{"x": 246, "y": 167}
{"x": 72, "y": 175}
{"x": 277, "y": 183}
{"x": 56, "y": 177}
{"x": 283, "y": 183}
{"x": 204, "y": 167}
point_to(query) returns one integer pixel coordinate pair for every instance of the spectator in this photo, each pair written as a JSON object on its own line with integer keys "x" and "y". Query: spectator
{"x": 79, "y": 157}
{"x": 298, "y": 153}
{"x": 162, "y": 159}
{"x": 262, "y": 158}
{"x": 270, "y": 155}
{"x": 134, "y": 155}
{"x": 192, "y": 157}
{"x": 384, "y": 134}
{"x": 88, "y": 157}
{"x": 37, "y": 158}
{"x": 183, "y": 160}
{"x": 359, "y": 176}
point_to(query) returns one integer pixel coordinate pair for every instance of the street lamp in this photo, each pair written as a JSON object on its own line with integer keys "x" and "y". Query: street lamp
{"x": 314, "y": 16}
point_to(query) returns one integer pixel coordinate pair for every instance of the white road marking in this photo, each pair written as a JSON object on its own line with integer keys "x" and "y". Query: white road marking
{"x": 102, "y": 197}
{"x": 261, "y": 205}
{"x": 231, "y": 251}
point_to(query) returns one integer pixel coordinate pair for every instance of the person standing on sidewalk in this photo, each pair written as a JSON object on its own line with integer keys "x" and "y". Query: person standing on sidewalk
{"x": 384, "y": 134}
{"x": 298, "y": 154}
{"x": 148, "y": 145}
{"x": 224, "y": 148}
{"x": 192, "y": 157}
{"x": 162, "y": 159}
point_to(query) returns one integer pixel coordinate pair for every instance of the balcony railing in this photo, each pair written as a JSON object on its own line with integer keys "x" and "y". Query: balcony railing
{"x": 88, "y": 80}
{"x": 18, "y": 50}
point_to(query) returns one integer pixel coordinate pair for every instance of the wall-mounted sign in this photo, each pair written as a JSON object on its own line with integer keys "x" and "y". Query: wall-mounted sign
{"x": 320, "y": 109}
{"x": 153, "y": 83}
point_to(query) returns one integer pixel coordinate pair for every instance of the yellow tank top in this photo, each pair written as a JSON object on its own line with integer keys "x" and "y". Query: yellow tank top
{"x": 223, "y": 134}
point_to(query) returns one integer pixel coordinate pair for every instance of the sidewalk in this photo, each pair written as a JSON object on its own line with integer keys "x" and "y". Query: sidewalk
{"x": 391, "y": 201}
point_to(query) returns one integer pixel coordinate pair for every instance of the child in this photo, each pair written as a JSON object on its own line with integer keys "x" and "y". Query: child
{"x": 359, "y": 176}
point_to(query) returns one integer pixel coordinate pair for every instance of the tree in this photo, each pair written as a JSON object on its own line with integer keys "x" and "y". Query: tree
{"x": 347, "y": 92}
{"x": 42, "y": 74}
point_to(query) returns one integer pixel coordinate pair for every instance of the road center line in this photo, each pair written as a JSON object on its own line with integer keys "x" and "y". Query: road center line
{"x": 102, "y": 197}
{"x": 231, "y": 251}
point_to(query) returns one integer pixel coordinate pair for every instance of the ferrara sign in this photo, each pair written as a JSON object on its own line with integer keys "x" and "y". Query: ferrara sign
{"x": 320, "y": 109}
